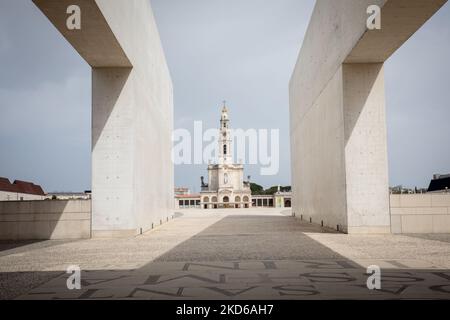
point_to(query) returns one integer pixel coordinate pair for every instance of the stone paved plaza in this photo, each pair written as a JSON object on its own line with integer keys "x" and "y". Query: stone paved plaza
{"x": 230, "y": 254}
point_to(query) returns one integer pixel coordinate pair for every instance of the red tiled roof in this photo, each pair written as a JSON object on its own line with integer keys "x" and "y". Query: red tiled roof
{"x": 5, "y": 185}
{"x": 21, "y": 187}
{"x": 4, "y": 180}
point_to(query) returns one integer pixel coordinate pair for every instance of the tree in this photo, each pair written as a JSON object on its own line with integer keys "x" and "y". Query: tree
{"x": 259, "y": 190}
{"x": 271, "y": 190}
{"x": 256, "y": 188}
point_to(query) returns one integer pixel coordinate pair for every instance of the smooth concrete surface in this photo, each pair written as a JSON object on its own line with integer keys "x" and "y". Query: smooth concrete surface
{"x": 318, "y": 169}
{"x": 365, "y": 145}
{"x": 45, "y": 219}
{"x": 95, "y": 41}
{"x": 230, "y": 254}
{"x": 400, "y": 19}
{"x": 132, "y": 112}
{"x": 337, "y": 112}
{"x": 420, "y": 213}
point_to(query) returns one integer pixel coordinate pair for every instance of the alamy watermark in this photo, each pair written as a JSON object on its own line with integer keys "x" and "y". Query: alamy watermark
{"x": 252, "y": 146}
{"x": 374, "y": 279}
{"x": 73, "y": 22}
{"x": 374, "y": 19}
{"x": 74, "y": 280}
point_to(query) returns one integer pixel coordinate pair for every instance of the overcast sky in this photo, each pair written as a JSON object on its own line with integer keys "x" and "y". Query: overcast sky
{"x": 234, "y": 50}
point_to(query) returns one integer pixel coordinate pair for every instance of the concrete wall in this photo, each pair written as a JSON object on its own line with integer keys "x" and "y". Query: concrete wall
{"x": 48, "y": 219}
{"x": 337, "y": 112}
{"x": 420, "y": 213}
{"x": 132, "y": 112}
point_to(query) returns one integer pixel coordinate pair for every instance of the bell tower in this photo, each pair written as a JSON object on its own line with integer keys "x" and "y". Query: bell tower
{"x": 225, "y": 148}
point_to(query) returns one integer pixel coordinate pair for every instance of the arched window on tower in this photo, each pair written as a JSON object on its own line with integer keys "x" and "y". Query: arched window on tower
{"x": 225, "y": 149}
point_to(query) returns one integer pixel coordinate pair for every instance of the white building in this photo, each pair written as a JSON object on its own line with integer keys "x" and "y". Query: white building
{"x": 226, "y": 187}
{"x": 20, "y": 191}
{"x": 87, "y": 195}
{"x": 279, "y": 199}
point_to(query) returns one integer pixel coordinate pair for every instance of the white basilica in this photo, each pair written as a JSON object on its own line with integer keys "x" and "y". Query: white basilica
{"x": 226, "y": 187}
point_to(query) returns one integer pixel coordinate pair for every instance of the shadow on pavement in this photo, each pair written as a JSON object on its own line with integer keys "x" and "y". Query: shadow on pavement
{"x": 249, "y": 257}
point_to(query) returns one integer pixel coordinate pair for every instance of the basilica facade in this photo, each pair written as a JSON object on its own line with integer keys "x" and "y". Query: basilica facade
{"x": 226, "y": 187}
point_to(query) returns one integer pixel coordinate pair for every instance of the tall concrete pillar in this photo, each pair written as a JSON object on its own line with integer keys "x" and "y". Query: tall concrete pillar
{"x": 337, "y": 111}
{"x": 113, "y": 151}
{"x": 365, "y": 144}
{"x": 132, "y": 112}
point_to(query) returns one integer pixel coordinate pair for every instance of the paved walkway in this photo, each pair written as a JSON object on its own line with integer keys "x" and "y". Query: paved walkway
{"x": 230, "y": 254}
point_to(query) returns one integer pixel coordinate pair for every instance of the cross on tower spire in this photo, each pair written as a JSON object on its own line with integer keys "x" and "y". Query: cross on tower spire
{"x": 224, "y": 106}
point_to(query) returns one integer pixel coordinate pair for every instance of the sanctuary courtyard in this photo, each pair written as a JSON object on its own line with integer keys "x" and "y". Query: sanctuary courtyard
{"x": 230, "y": 254}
